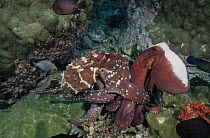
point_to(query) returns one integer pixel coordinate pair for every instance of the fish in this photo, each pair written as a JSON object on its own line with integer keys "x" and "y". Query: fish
{"x": 45, "y": 65}
{"x": 65, "y": 7}
{"x": 200, "y": 63}
{"x": 193, "y": 128}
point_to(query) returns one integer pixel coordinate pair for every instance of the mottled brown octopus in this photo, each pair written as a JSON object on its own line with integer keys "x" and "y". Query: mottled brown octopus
{"x": 105, "y": 80}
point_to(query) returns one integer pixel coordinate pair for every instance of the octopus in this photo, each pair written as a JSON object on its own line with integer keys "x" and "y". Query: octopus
{"x": 105, "y": 80}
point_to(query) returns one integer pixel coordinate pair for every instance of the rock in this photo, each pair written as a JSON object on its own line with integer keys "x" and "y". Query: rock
{"x": 39, "y": 118}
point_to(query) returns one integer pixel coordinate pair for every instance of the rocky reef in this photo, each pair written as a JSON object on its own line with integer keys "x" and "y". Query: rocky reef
{"x": 45, "y": 117}
{"x": 26, "y": 23}
{"x": 185, "y": 25}
{"x": 164, "y": 123}
{"x": 30, "y": 29}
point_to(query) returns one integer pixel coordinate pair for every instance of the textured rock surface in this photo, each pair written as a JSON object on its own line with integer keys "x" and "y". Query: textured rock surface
{"x": 164, "y": 123}
{"x": 23, "y": 24}
{"x": 39, "y": 118}
{"x": 185, "y": 25}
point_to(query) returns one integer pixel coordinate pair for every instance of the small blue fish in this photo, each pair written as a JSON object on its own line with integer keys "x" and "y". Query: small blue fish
{"x": 45, "y": 65}
{"x": 200, "y": 64}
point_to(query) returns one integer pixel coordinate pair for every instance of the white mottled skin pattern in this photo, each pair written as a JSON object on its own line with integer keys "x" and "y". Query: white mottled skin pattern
{"x": 177, "y": 64}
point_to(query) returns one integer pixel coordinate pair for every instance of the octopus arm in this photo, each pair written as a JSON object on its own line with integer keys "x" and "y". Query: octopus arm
{"x": 138, "y": 117}
{"x": 129, "y": 91}
{"x": 95, "y": 97}
{"x": 92, "y": 115}
{"x": 125, "y": 114}
{"x": 114, "y": 104}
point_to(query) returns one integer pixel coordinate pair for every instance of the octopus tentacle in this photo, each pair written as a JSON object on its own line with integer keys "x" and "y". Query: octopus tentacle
{"x": 59, "y": 90}
{"x": 125, "y": 114}
{"x": 138, "y": 117}
{"x": 129, "y": 91}
{"x": 92, "y": 115}
{"x": 95, "y": 97}
{"x": 154, "y": 107}
{"x": 115, "y": 104}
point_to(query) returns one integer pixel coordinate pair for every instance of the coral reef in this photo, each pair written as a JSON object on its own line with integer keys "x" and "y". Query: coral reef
{"x": 113, "y": 26}
{"x": 104, "y": 127}
{"x": 25, "y": 79}
{"x": 199, "y": 91}
{"x": 163, "y": 123}
{"x": 171, "y": 105}
{"x": 61, "y": 48}
{"x": 6, "y": 60}
{"x": 107, "y": 22}
{"x": 25, "y": 24}
{"x": 119, "y": 27}
{"x": 45, "y": 117}
{"x": 185, "y": 27}
{"x": 194, "y": 110}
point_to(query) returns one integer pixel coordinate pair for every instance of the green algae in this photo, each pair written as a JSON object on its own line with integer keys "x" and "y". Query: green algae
{"x": 5, "y": 60}
{"x": 186, "y": 22}
{"x": 39, "y": 118}
{"x": 164, "y": 123}
{"x": 26, "y": 23}
{"x": 196, "y": 93}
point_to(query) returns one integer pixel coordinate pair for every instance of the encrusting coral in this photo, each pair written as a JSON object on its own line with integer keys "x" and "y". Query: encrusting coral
{"x": 60, "y": 48}
{"x": 194, "y": 110}
{"x": 104, "y": 79}
{"x": 185, "y": 25}
{"x": 38, "y": 118}
{"x": 23, "y": 24}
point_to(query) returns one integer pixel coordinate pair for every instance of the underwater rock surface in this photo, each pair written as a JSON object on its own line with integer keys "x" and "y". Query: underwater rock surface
{"x": 185, "y": 25}
{"x": 164, "y": 123}
{"x": 23, "y": 24}
{"x": 39, "y": 118}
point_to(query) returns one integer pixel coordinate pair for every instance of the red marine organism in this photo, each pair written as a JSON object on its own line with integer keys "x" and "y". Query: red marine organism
{"x": 105, "y": 80}
{"x": 194, "y": 110}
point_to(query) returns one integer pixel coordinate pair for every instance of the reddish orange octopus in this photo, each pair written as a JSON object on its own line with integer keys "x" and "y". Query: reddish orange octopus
{"x": 105, "y": 80}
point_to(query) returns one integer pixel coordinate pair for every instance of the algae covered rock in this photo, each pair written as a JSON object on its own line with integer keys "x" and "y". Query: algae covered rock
{"x": 26, "y": 23}
{"x": 163, "y": 123}
{"x": 30, "y": 21}
{"x": 187, "y": 27}
{"x": 177, "y": 101}
{"x": 196, "y": 93}
{"x": 5, "y": 60}
{"x": 45, "y": 117}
